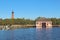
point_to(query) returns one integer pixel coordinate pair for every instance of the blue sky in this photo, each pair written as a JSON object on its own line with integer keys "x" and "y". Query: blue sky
{"x": 30, "y": 9}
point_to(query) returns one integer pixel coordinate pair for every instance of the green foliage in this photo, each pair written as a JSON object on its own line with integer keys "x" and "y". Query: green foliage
{"x": 18, "y": 21}
{"x": 55, "y": 21}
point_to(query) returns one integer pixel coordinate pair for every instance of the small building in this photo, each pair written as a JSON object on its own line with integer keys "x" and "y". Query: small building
{"x": 43, "y": 23}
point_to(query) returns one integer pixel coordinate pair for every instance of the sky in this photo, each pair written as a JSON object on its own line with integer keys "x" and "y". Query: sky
{"x": 30, "y": 9}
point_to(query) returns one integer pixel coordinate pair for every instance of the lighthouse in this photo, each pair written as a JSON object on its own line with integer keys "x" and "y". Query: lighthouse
{"x": 12, "y": 14}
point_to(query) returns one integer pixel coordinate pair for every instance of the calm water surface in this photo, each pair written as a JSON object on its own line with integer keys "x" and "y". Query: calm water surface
{"x": 31, "y": 34}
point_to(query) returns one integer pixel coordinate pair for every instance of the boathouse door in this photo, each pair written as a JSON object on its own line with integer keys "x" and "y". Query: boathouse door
{"x": 43, "y": 25}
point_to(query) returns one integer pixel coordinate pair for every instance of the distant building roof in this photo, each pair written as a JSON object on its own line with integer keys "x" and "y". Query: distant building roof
{"x": 43, "y": 19}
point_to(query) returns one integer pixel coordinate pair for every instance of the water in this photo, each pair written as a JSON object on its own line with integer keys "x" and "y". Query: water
{"x": 48, "y": 34}
{"x": 31, "y": 34}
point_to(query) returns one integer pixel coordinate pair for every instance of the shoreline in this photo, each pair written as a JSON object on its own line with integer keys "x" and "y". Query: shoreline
{"x": 4, "y": 27}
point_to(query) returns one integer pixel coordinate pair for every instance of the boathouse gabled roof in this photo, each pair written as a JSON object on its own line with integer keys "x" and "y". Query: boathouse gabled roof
{"x": 43, "y": 19}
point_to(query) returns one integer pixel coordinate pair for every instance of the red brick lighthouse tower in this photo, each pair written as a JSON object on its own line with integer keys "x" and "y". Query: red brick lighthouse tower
{"x": 12, "y": 14}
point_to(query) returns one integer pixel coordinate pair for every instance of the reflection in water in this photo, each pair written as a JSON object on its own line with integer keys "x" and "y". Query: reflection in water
{"x": 48, "y": 34}
{"x": 31, "y": 34}
{"x": 43, "y": 34}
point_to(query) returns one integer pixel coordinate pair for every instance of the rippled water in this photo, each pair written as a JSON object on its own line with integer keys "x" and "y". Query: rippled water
{"x": 31, "y": 34}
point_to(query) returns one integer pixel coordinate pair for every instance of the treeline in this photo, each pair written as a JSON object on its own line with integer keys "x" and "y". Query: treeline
{"x": 22, "y": 21}
{"x": 55, "y": 21}
{"x": 18, "y": 21}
